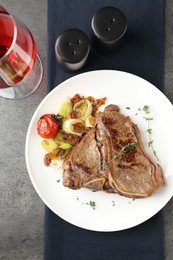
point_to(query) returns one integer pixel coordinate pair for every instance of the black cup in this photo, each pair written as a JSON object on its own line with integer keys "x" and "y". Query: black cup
{"x": 72, "y": 48}
{"x": 109, "y": 26}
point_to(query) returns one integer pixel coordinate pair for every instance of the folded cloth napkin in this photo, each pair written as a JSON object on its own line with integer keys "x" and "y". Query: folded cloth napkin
{"x": 140, "y": 53}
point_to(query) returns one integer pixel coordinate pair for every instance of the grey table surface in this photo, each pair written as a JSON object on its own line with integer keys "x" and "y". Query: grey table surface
{"x": 21, "y": 209}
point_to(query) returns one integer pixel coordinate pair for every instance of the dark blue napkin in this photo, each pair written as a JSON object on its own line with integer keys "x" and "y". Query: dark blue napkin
{"x": 141, "y": 53}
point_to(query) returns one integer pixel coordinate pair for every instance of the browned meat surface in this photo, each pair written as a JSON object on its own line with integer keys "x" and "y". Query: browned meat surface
{"x": 82, "y": 167}
{"x": 99, "y": 163}
{"x": 132, "y": 173}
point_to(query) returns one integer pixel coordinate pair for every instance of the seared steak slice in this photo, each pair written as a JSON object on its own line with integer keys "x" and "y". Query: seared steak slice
{"x": 82, "y": 167}
{"x": 131, "y": 173}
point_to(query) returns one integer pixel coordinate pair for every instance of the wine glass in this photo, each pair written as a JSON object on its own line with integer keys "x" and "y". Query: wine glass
{"x": 21, "y": 69}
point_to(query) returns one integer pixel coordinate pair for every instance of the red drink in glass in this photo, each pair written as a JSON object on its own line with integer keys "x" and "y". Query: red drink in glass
{"x": 18, "y": 55}
{"x": 20, "y": 66}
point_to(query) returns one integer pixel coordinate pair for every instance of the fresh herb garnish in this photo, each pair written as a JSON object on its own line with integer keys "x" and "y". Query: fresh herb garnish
{"x": 148, "y": 118}
{"x": 92, "y": 204}
{"x": 132, "y": 200}
{"x": 125, "y": 148}
{"x": 130, "y": 146}
{"x": 127, "y": 107}
{"x": 113, "y": 203}
{"x": 57, "y": 118}
{"x": 58, "y": 181}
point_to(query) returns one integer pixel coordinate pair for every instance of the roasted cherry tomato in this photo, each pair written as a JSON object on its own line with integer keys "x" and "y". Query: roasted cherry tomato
{"x": 47, "y": 126}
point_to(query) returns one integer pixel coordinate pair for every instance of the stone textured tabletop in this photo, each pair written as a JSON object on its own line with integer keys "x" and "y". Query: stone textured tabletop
{"x": 21, "y": 210}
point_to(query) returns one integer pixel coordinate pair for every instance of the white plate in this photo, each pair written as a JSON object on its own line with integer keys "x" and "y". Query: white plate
{"x": 112, "y": 212}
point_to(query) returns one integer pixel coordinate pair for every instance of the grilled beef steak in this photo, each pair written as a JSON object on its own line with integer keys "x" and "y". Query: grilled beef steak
{"x": 131, "y": 173}
{"x": 112, "y": 157}
{"x": 82, "y": 167}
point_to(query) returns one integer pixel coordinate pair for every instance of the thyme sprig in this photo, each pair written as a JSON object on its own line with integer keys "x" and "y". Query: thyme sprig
{"x": 148, "y": 118}
{"x": 125, "y": 148}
